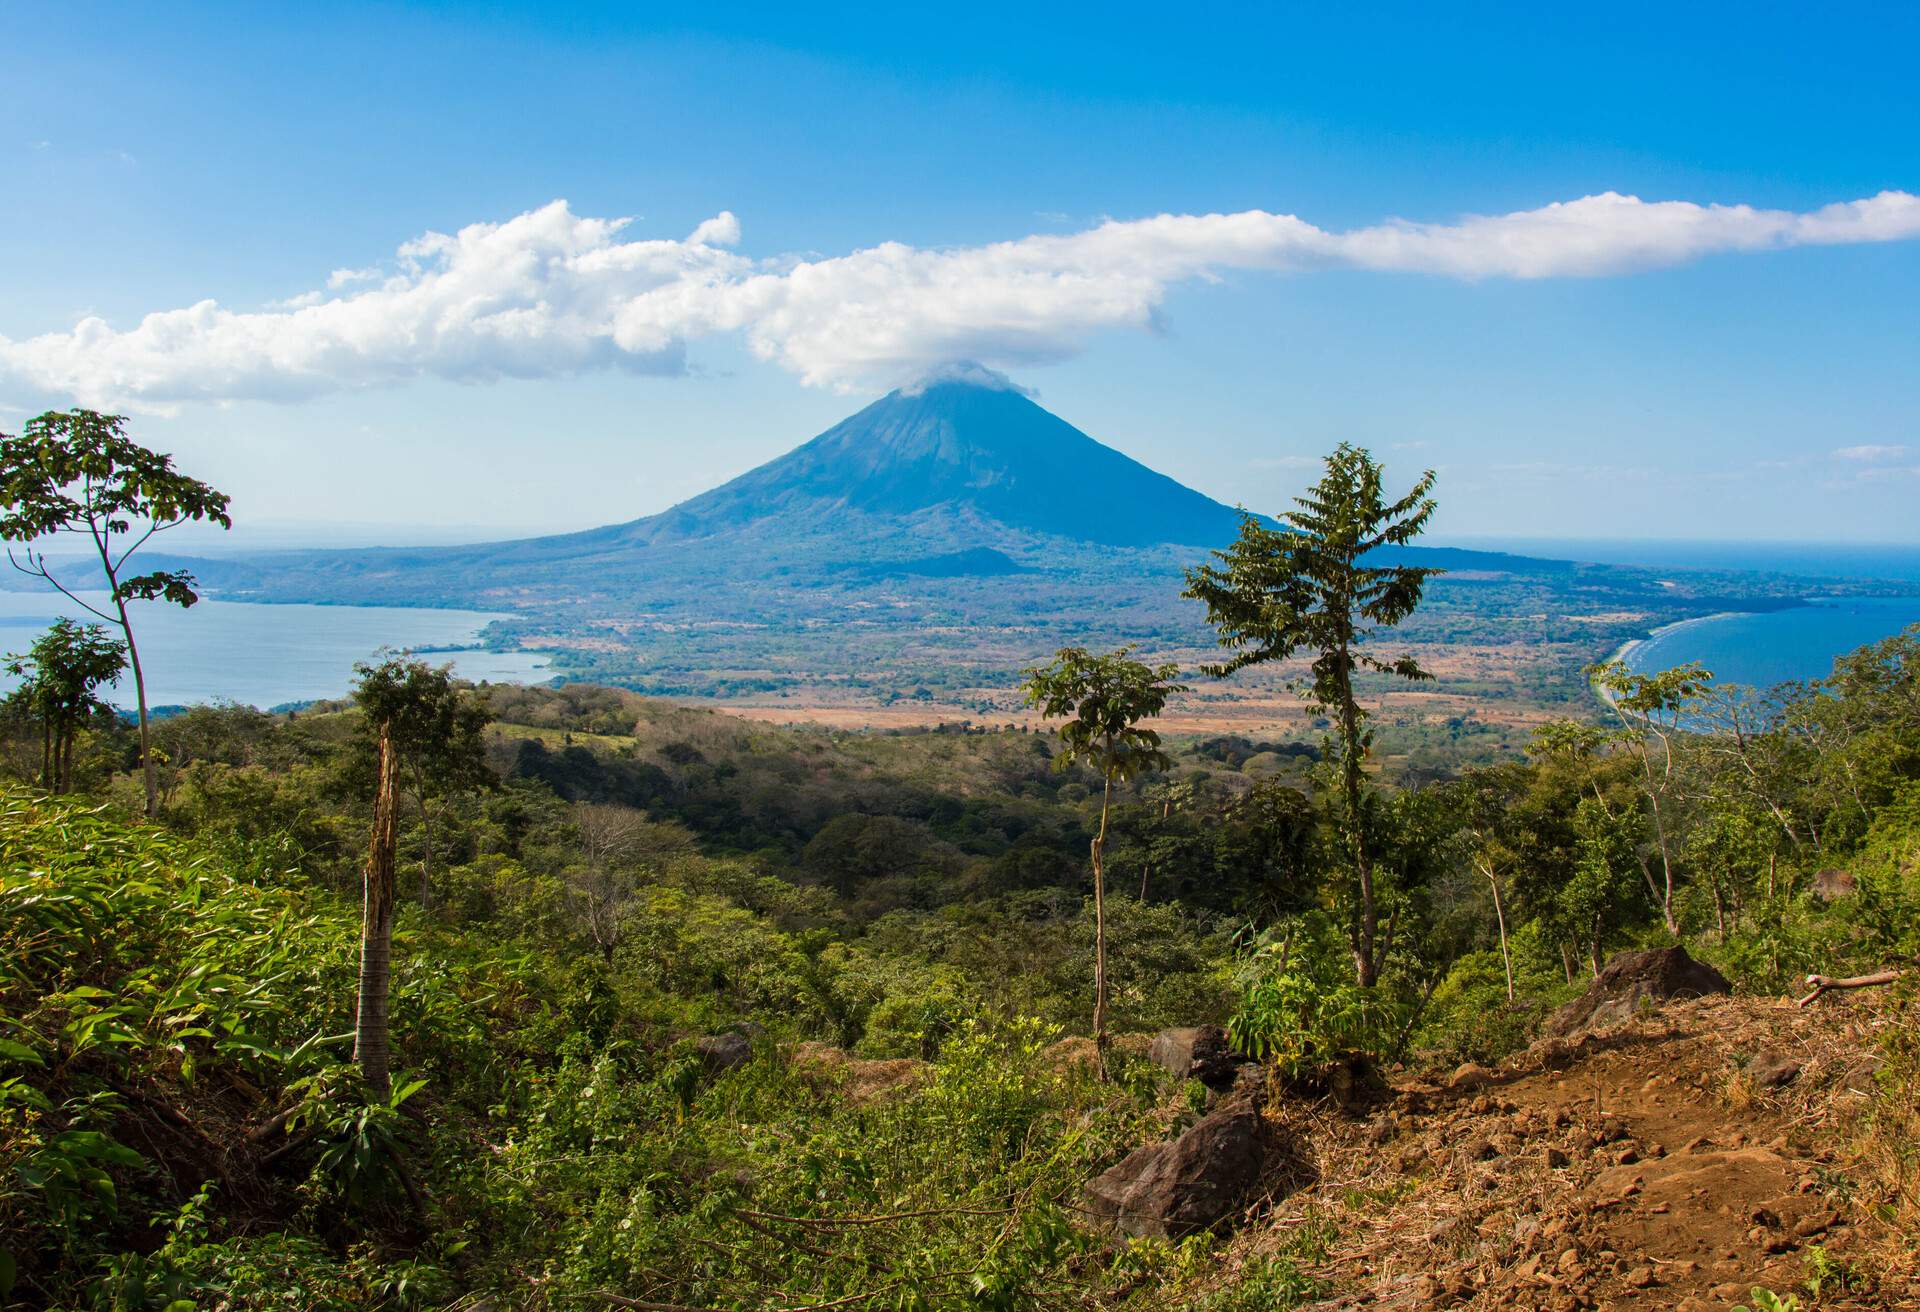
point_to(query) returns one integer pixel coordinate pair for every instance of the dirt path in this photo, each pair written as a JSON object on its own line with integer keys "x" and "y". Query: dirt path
{"x": 1673, "y": 1163}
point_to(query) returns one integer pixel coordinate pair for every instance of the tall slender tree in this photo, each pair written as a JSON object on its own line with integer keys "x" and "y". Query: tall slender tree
{"x": 1308, "y": 586}
{"x": 1102, "y": 700}
{"x": 414, "y": 713}
{"x": 438, "y": 734}
{"x": 78, "y": 473}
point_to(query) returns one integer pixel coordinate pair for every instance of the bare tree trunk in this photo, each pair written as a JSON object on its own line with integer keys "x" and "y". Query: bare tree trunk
{"x": 370, "y": 1048}
{"x": 47, "y": 780}
{"x": 1664, "y": 896}
{"x": 1500, "y": 916}
{"x": 1098, "y": 849}
{"x": 1666, "y": 865}
{"x": 147, "y": 778}
{"x": 1365, "y": 962}
{"x": 1720, "y": 910}
{"x": 1566, "y": 960}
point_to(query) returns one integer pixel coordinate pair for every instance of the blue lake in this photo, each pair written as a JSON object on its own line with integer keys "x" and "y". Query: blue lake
{"x": 267, "y": 656}
{"x": 1762, "y": 650}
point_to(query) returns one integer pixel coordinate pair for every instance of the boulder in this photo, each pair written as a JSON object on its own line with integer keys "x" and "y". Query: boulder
{"x": 1470, "y": 1078}
{"x": 724, "y": 1052}
{"x": 1196, "y": 1182}
{"x": 1632, "y": 978}
{"x": 1196, "y": 1052}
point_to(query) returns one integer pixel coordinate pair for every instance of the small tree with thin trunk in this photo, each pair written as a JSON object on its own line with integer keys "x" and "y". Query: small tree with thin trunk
{"x": 1652, "y": 709}
{"x": 1308, "y": 587}
{"x": 79, "y": 473}
{"x": 60, "y": 678}
{"x": 1102, "y": 700}
{"x": 415, "y": 713}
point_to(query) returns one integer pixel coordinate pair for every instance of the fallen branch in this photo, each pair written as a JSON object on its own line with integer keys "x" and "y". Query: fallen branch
{"x": 1821, "y": 983}
{"x": 273, "y": 1124}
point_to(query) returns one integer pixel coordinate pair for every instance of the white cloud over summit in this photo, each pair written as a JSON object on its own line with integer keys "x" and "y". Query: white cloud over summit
{"x": 551, "y": 293}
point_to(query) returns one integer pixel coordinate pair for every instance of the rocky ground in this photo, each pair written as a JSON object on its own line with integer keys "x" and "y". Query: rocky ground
{"x": 1650, "y": 1153}
{"x": 1674, "y": 1161}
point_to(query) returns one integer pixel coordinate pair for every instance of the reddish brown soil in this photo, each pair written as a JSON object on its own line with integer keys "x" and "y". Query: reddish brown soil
{"x": 1641, "y": 1168}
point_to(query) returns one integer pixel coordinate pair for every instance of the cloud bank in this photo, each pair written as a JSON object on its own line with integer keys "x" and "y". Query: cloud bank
{"x": 551, "y": 293}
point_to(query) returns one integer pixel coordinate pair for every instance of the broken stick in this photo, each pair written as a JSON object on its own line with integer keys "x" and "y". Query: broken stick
{"x": 1821, "y": 983}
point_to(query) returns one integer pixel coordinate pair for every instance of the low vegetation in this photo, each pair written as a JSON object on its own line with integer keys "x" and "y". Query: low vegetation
{"x": 551, "y": 998}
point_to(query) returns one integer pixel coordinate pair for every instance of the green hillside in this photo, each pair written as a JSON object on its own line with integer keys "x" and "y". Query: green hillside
{"x": 885, "y": 932}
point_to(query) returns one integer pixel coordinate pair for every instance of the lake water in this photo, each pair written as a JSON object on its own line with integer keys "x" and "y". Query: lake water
{"x": 1762, "y": 650}
{"x": 267, "y": 656}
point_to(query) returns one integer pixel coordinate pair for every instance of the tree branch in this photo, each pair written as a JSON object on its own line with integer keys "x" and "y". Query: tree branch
{"x": 39, "y": 570}
{"x": 1822, "y": 983}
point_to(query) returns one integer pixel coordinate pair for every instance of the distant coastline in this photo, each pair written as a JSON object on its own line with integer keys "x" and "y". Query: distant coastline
{"x": 1764, "y": 649}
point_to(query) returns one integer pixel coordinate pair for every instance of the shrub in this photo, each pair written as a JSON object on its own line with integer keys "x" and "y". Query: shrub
{"x": 1301, "y": 1009}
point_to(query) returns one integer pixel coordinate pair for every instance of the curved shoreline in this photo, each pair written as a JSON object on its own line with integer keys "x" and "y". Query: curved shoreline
{"x": 1763, "y": 655}
{"x": 1626, "y": 649}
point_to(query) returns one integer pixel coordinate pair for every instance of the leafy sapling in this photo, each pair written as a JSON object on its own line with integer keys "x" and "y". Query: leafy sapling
{"x": 1102, "y": 700}
{"x": 78, "y": 473}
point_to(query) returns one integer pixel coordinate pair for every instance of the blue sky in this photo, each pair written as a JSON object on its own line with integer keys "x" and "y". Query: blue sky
{"x": 1706, "y": 374}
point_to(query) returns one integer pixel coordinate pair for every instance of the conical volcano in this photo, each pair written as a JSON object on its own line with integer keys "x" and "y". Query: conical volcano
{"x": 972, "y": 446}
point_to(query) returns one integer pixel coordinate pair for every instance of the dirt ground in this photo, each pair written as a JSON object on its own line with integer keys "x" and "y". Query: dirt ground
{"x": 1653, "y": 1166}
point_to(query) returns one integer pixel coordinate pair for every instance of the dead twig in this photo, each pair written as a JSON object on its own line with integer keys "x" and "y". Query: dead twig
{"x": 1822, "y": 983}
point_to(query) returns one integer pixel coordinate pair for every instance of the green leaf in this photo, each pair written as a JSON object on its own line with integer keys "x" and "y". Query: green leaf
{"x": 94, "y": 1144}
{"x": 20, "y": 1052}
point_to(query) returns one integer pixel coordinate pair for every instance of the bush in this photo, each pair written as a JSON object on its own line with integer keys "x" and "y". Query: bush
{"x": 1301, "y": 1009}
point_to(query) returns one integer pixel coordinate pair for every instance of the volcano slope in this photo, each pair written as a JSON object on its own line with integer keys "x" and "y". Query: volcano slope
{"x": 1649, "y": 1166}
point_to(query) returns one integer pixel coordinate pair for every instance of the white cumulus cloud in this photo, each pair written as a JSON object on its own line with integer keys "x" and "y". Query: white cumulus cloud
{"x": 551, "y": 292}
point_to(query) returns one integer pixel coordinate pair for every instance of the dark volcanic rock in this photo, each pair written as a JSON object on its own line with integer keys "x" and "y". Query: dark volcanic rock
{"x": 1770, "y": 1070}
{"x": 1655, "y": 975}
{"x": 1196, "y": 1052}
{"x": 724, "y": 1052}
{"x": 1193, "y": 1183}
